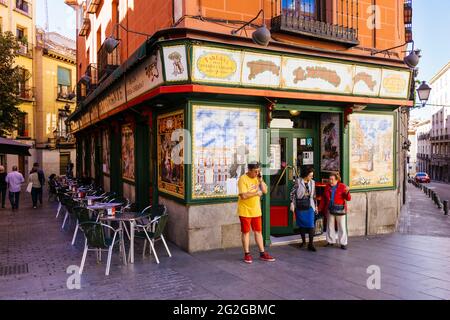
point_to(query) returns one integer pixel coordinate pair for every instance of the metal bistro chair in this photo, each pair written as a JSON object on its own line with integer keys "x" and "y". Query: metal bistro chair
{"x": 82, "y": 215}
{"x": 96, "y": 241}
{"x": 70, "y": 204}
{"x": 152, "y": 231}
{"x": 60, "y": 197}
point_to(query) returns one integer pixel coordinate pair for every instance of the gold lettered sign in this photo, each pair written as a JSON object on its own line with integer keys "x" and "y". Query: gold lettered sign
{"x": 217, "y": 65}
{"x": 395, "y": 84}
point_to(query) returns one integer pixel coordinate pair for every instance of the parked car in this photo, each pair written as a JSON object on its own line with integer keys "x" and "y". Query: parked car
{"x": 422, "y": 177}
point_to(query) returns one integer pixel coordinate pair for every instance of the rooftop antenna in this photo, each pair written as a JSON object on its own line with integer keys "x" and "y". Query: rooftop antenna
{"x": 46, "y": 15}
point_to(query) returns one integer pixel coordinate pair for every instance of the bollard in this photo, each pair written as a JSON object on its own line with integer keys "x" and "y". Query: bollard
{"x": 425, "y": 190}
{"x": 438, "y": 201}
{"x": 446, "y": 207}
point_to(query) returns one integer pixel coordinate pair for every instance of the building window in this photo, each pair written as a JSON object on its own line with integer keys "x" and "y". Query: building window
{"x": 22, "y": 125}
{"x": 306, "y": 8}
{"x": 65, "y": 84}
{"x": 22, "y": 5}
{"x": 63, "y": 128}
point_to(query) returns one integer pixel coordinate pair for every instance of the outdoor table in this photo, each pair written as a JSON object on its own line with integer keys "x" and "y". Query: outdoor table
{"x": 123, "y": 218}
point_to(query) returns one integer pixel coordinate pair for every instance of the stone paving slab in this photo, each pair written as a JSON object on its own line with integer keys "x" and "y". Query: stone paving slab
{"x": 413, "y": 266}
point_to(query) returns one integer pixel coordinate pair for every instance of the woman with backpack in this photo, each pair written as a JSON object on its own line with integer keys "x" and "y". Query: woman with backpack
{"x": 336, "y": 196}
{"x": 303, "y": 204}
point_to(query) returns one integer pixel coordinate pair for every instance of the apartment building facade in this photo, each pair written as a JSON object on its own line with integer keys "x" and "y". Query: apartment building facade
{"x": 440, "y": 125}
{"x": 18, "y": 17}
{"x": 423, "y": 131}
{"x": 176, "y": 97}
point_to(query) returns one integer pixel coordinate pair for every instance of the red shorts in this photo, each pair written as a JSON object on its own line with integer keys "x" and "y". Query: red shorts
{"x": 248, "y": 224}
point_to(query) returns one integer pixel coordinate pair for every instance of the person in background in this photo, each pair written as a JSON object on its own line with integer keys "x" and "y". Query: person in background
{"x": 52, "y": 187}
{"x": 14, "y": 180}
{"x": 36, "y": 189}
{"x": 3, "y": 185}
{"x": 303, "y": 204}
{"x": 41, "y": 176}
{"x": 251, "y": 189}
{"x": 336, "y": 196}
{"x": 69, "y": 170}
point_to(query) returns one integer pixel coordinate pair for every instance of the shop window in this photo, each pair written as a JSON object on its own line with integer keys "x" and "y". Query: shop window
{"x": 225, "y": 140}
{"x": 106, "y": 151}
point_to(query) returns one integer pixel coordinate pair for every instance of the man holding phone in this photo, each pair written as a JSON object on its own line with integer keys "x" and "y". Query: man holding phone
{"x": 251, "y": 188}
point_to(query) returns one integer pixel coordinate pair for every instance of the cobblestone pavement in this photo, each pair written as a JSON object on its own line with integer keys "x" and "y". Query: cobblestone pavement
{"x": 412, "y": 266}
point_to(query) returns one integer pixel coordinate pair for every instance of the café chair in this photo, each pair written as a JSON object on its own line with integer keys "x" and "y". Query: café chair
{"x": 151, "y": 232}
{"x": 82, "y": 215}
{"x": 95, "y": 240}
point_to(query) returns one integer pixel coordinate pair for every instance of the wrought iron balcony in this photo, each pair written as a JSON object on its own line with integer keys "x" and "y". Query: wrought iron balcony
{"x": 65, "y": 93}
{"x": 84, "y": 87}
{"x": 107, "y": 62}
{"x": 335, "y": 21}
{"x": 25, "y": 92}
{"x": 24, "y": 49}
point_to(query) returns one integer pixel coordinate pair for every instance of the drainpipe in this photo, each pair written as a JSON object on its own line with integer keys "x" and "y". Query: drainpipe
{"x": 367, "y": 214}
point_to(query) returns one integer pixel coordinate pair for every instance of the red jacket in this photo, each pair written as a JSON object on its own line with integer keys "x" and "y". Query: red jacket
{"x": 340, "y": 198}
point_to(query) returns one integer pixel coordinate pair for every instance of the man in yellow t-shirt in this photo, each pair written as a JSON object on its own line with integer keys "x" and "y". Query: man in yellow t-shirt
{"x": 251, "y": 188}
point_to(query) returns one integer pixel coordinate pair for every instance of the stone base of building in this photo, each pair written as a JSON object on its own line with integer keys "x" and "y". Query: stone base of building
{"x": 216, "y": 226}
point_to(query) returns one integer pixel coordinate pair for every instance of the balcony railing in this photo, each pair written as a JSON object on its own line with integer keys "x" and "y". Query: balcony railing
{"x": 24, "y": 49}
{"x": 86, "y": 88}
{"x": 107, "y": 62}
{"x": 25, "y": 93}
{"x": 66, "y": 93}
{"x": 4, "y": 2}
{"x": 335, "y": 21}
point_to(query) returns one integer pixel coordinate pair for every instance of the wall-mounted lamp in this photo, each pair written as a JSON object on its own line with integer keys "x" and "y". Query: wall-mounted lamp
{"x": 111, "y": 42}
{"x": 423, "y": 92}
{"x": 261, "y": 35}
{"x": 411, "y": 60}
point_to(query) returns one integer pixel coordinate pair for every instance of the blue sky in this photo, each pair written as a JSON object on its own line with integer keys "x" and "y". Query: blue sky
{"x": 431, "y": 32}
{"x": 61, "y": 17}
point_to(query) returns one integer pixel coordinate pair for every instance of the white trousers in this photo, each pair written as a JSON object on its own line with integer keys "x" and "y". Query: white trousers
{"x": 341, "y": 238}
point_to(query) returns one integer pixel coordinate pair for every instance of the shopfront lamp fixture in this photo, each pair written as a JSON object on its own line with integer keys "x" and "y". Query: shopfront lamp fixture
{"x": 112, "y": 42}
{"x": 295, "y": 113}
{"x": 85, "y": 79}
{"x": 411, "y": 60}
{"x": 261, "y": 35}
{"x": 423, "y": 92}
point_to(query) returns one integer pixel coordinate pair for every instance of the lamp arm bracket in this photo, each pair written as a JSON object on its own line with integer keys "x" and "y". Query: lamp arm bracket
{"x": 248, "y": 23}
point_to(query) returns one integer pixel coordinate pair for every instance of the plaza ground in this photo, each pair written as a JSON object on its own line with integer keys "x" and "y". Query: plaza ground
{"x": 414, "y": 264}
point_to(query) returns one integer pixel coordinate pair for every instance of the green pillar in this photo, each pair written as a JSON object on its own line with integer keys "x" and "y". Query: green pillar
{"x": 116, "y": 156}
{"x": 142, "y": 160}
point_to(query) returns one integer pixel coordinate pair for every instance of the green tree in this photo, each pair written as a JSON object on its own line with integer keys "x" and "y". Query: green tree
{"x": 10, "y": 76}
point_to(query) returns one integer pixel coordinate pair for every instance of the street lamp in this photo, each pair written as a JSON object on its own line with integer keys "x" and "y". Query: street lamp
{"x": 111, "y": 42}
{"x": 423, "y": 92}
{"x": 261, "y": 35}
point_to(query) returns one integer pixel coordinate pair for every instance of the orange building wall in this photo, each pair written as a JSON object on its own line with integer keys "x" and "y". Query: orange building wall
{"x": 151, "y": 16}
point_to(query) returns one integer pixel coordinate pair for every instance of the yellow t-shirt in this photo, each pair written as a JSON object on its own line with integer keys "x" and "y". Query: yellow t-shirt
{"x": 250, "y": 208}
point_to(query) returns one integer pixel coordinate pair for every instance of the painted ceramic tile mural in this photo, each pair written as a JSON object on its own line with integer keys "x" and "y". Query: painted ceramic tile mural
{"x": 170, "y": 153}
{"x": 372, "y": 151}
{"x": 106, "y": 151}
{"x": 261, "y": 70}
{"x": 225, "y": 140}
{"x": 127, "y": 153}
{"x": 175, "y": 63}
{"x": 330, "y": 142}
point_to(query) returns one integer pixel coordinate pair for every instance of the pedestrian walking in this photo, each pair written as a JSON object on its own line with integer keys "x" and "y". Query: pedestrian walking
{"x": 336, "y": 196}
{"x": 14, "y": 180}
{"x": 69, "y": 170}
{"x": 36, "y": 188}
{"x": 41, "y": 177}
{"x": 251, "y": 189}
{"x": 303, "y": 204}
{"x": 3, "y": 185}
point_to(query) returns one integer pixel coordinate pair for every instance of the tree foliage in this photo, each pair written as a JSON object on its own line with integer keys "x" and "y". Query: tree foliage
{"x": 10, "y": 76}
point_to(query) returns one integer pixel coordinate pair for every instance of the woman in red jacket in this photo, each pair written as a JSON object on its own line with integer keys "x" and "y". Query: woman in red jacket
{"x": 336, "y": 196}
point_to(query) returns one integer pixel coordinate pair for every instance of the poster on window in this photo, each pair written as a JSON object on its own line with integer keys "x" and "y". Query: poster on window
{"x": 83, "y": 156}
{"x": 372, "y": 153}
{"x": 127, "y": 153}
{"x": 330, "y": 142}
{"x": 225, "y": 140}
{"x": 106, "y": 151}
{"x": 171, "y": 153}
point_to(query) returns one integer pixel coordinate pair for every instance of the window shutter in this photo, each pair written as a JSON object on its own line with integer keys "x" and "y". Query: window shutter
{"x": 64, "y": 77}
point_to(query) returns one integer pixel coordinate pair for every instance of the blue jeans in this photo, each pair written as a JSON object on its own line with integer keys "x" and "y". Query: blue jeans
{"x": 14, "y": 199}
{"x": 35, "y": 192}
